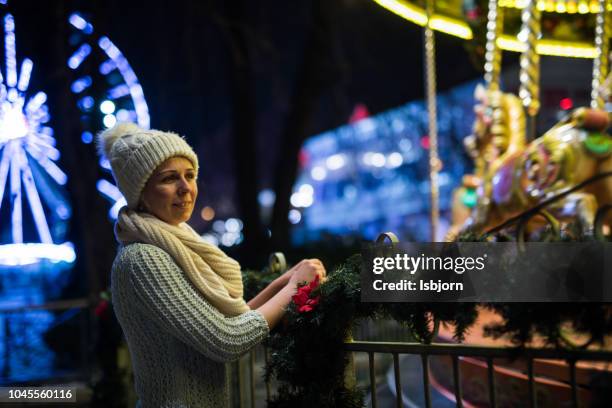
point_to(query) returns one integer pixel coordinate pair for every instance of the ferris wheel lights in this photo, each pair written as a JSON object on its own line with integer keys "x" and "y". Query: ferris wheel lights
{"x": 113, "y": 213}
{"x": 80, "y": 84}
{"x": 25, "y": 254}
{"x": 63, "y": 212}
{"x": 109, "y": 120}
{"x": 107, "y": 107}
{"x": 121, "y": 63}
{"x": 112, "y": 192}
{"x": 104, "y": 163}
{"x": 123, "y": 115}
{"x": 118, "y": 91}
{"x": 107, "y": 66}
{"x": 79, "y": 55}
{"x": 24, "y": 77}
{"x": 108, "y": 189}
{"x": 36, "y": 102}
{"x": 80, "y": 23}
{"x": 86, "y": 103}
{"x": 87, "y": 137}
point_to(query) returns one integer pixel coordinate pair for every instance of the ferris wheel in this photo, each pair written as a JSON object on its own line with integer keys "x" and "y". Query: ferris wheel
{"x": 123, "y": 98}
{"x": 27, "y": 161}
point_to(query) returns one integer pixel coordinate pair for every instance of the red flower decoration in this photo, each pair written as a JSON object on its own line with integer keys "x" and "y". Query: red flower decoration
{"x": 302, "y": 298}
{"x": 101, "y": 309}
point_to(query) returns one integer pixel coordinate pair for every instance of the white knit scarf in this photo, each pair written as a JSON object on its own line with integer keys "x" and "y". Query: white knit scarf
{"x": 210, "y": 270}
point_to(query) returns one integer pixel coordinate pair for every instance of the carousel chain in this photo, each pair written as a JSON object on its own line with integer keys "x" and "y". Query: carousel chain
{"x": 600, "y": 63}
{"x": 434, "y": 160}
{"x": 493, "y": 54}
{"x": 530, "y": 60}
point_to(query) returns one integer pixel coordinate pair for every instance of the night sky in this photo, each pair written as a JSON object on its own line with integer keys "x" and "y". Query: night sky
{"x": 182, "y": 55}
{"x": 231, "y": 98}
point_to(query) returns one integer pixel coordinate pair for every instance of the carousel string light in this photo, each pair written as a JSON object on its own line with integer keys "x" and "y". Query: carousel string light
{"x": 559, "y": 6}
{"x": 493, "y": 55}
{"x": 529, "y": 90}
{"x": 458, "y": 28}
{"x": 600, "y": 62}
{"x": 434, "y": 159}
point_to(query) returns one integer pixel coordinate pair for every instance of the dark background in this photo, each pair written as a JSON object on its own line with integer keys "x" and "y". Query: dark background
{"x": 245, "y": 81}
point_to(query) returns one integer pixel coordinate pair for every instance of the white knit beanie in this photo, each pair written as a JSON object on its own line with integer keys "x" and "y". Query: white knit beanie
{"x": 135, "y": 153}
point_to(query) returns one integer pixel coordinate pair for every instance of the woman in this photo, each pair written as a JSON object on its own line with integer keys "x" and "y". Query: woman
{"x": 179, "y": 299}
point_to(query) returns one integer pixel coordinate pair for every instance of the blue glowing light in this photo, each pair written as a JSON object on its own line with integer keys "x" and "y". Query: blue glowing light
{"x": 379, "y": 163}
{"x": 86, "y": 103}
{"x": 107, "y": 107}
{"x": 114, "y": 107}
{"x": 25, "y": 141}
{"x": 107, "y": 66}
{"x": 109, "y": 120}
{"x": 111, "y": 192}
{"x": 118, "y": 91}
{"x": 87, "y": 137}
{"x": 130, "y": 79}
{"x": 80, "y": 23}
{"x": 79, "y": 56}
{"x": 80, "y": 84}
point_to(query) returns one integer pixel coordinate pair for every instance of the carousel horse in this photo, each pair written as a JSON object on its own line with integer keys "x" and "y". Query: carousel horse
{"x": 498, "y": 133}
{"x": 517, "y": 177}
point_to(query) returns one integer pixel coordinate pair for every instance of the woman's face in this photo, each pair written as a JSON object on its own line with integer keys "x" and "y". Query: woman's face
{"x": 171, "y": 191}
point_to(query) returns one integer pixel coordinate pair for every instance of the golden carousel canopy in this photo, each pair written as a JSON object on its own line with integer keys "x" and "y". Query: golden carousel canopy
{"x": 568, "y": 26}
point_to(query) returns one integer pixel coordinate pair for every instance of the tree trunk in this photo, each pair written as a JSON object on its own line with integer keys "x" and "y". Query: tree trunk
{"x": 313, "y": 77}
{"x": 253, "y": 249}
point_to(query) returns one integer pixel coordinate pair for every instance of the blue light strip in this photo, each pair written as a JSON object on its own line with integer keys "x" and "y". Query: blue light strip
{"x": 107, "y": 66}
{"x": 35, "y": 204}
{"x": 24, "y": 76}
{"x": 9, "y": 44}
{"x": 79, "y": 56}
{"x": 80, "y": 84}
{"x": 108, "y": 189}
{"x": 30, "y": 253}
{"x": 4, "y": 167}
{"x": 51, "y": 168}
{"x": 16, "y": 216}
{"x": 118, "y": 91}
{"x": 23, "y": 131}
{"x": 80, "y": 23}
{"x": 35, "y": 103}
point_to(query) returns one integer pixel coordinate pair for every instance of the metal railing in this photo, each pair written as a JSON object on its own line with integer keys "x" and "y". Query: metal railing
{"x": 80, "y": 305}
{"x": 488, "y": 354}
{"x": 455, "y": 351}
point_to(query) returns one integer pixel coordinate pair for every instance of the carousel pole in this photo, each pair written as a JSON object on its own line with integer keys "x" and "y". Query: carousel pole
{"x": 434, "y": 160}
{"x": 493, "y": 52}
{"x": 600, "y": 63}
{"x": 530, "y": 65}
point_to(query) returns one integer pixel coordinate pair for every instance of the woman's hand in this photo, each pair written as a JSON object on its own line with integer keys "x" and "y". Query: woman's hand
{"x": 274, "y": 308}
{"x": 285, "y": 277}
{"x": 306, "y": 271}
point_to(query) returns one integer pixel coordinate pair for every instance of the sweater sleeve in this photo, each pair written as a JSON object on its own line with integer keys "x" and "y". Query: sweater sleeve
{"x": 168, "y": 297}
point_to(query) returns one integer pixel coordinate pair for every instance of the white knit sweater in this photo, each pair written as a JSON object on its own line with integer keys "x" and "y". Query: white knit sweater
{"x": 178, "y": 342}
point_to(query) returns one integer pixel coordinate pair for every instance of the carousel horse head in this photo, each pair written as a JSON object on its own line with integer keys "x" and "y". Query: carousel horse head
{"x": 499, "y": 125}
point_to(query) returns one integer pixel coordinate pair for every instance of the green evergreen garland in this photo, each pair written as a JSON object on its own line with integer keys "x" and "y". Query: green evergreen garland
{"x": 307, "y": 356}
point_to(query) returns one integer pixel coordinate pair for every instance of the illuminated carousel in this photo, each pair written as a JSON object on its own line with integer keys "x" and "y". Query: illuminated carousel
{"x": 524, "y": 181}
